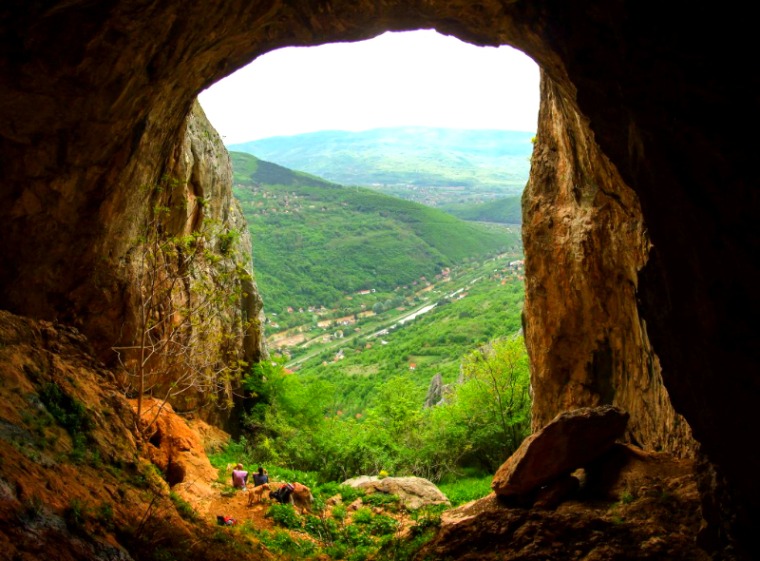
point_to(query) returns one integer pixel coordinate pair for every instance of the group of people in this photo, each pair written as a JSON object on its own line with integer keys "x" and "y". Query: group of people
{"x": 240, "y": 477}
{"x": 296, "y": 493}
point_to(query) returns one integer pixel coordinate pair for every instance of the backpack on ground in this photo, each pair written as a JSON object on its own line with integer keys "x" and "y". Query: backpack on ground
{"x": 282, "y": 495}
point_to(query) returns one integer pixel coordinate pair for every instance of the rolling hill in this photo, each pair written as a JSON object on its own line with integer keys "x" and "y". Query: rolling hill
{"x": 429, "y": 165}
{"x": 316, "y": 242}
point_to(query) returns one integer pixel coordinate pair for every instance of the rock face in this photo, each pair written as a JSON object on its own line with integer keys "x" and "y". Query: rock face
{"x": 640, "y": 111}
{"x": 651, "y": 488}
{"x": 570, "y": 441}
{"x": 414, "y": 492}
{"x": 585, "y": 242}
{"x": 211, "y": 277}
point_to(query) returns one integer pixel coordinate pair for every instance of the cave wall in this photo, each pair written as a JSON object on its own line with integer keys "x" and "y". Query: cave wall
{"x": 213, "y": 273}
{"x": 93, "y": 100}
{"x": 585, "y": 242}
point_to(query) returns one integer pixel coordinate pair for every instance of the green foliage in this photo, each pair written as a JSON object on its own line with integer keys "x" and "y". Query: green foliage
{"x": 435, "y": 342}
{"x": 284, "y": 515}
{"x": 322, "y": 528}
{"x": 504, "y": 211}
{"x": 389, "y": 502}
{"x": 71, "y": 415}
{"x": 184, "y": 508}
{"x": 495, "y": 401}
{"x": 362, "y": 515}
{"x": 104, "y": 514}
{"x": 461, "y": 490}
{"x": 285, "y": 546}
{"x": 339, "y": 512}
{"x": 485, "y": 417}
{"x": 67, "y": 411}
{"x": 382, "y": 525}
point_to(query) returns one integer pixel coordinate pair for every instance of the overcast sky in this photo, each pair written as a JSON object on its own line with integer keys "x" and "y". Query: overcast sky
{"x": 415, "y": 78}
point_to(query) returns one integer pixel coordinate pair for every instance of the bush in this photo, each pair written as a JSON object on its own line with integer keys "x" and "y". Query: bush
{"x": 362, "y": 516}
{"x": 284, "y": 515}
{"x": 466, "y": 489}
{"x": 350, "y": 494}
{"x": 382, "y": 525}
{"x": 324, "y": 529}
{"x": 339, "y": 512}
{"x": 282, "y": 543}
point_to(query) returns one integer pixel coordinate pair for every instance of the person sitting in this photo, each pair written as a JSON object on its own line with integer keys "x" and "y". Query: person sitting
{"x": 261, "y": 477}
{"x": 239, "y": 477}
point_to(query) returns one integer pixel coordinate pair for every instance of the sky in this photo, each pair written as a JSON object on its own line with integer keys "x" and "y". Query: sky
{"x": 418, "y": 78}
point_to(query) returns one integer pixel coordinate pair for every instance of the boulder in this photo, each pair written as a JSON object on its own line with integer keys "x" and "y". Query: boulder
{"x": 414, "y": 492}
{"x": 570, "y": 441}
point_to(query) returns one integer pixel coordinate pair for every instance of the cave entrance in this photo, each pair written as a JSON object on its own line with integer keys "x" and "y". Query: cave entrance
{"x": 445, "y": 103}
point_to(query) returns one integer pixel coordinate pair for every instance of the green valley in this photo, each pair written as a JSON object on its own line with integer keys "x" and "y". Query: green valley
{"x": 369, "y": 298}
{"x": 317, "y": 243}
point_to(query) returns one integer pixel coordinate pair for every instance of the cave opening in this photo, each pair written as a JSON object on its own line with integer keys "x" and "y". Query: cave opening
{"x": 89, "y": 115}
{"x": 431, "y": 88}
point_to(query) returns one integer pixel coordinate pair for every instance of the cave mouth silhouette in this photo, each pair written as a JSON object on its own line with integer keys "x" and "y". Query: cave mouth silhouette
{"x": 88, "y": 115}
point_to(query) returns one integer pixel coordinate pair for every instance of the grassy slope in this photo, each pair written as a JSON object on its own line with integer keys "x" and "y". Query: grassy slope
{"x": 482, "y": 159}
{"x": 315, "y": 241}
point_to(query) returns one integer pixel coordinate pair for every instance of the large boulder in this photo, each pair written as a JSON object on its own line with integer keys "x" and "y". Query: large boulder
{"x": 414, "y": 492}
{"x": 570, "y": 441}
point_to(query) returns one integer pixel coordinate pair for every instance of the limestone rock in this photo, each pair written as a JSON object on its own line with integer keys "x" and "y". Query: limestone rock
{"x": 435, "y": 391}
{"x": 570, "y": 441}
{"x": 587, "y": 343}
{"x": 414, "y": 492}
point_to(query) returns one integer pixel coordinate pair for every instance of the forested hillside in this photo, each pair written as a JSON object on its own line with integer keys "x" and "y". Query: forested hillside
{"x": 429, "y": 165}
{"x": 503, "y": 211}
{"x": 315, "y": 242}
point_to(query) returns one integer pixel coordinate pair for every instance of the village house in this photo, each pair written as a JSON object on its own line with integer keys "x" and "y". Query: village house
{"x": 347, "y": 320}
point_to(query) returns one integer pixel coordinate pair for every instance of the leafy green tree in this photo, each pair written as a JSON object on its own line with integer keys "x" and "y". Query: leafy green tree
{"x": 494, "y": 401}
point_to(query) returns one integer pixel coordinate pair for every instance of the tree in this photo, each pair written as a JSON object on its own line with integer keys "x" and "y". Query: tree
{"x": 494, "y": 400}
{"x": 187, "y": 290}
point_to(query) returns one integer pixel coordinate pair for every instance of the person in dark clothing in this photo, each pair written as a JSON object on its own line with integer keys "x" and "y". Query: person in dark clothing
{"x": 261, "y": 477}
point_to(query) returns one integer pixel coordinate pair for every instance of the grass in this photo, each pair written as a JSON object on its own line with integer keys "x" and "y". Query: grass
{"x": 463, "y": 490}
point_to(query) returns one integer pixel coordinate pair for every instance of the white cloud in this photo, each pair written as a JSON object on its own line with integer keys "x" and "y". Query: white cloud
{"x": 413, "y": 78}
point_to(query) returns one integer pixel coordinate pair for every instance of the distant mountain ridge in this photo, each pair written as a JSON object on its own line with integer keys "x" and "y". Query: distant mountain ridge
{"x": 466, "y": 161}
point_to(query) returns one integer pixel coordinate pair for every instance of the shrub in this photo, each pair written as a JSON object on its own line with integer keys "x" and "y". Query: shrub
{"x": 282, "y": 543}
{"x": 324, "y": 529}
{"x": 382, "y": 500}
{"x": 284, "y": 515}
{"x": 76, "y": 514}
{"x": 350, "y": 494}
{"x": 339, "y": 512}
{"x": 382, "y": 525}
{"x": 362, "y": 516}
